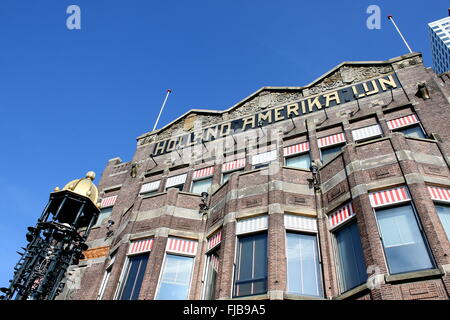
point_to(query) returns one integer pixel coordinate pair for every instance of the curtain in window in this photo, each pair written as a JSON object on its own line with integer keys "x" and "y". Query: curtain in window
{"x": 175, "y": 278}
{"x": 351, "y": 261}
{"x": 403, "y": 243}
{"x": 303, "y": 269}
{"x": 135, "y": 275}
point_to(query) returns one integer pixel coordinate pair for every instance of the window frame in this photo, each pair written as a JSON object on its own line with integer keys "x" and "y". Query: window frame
{"x": 336, "y": 254}
{"x": 319, "y": 262}
{"x": 177, "y": 186}
{"x": 340, "y": 144}
{"x": 419, "y": 225}
{"x": 206, "y": 275}
{"x": 442, "y": 204}
{"x": 300, "y": 154}
{"x": 99, "y": 222}
{"x": 229, "y": 172}
{"x": 125, "y": 272}
{"x": 201, "y": 179}
{"x": 236, "y": 262}
{"x": 161, "y": 273}
{"x": 409, "y": 126}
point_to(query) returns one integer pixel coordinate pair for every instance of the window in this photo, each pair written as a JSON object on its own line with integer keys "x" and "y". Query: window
{"x": 251, "y": 266}
{"x": 104, "y": 214}
{"x": 178, "y": 186}
{"x": 301, "y": 161}
{"x": 105, "y": 279}
{"x": 261, "y": 165}
{"x": 414, "y": 131}
{"x": 212, "y": 269}
{"x": 227, "y": 175}
{"x": 444, "y": 214}
{"x": 200, "y": 186}
{"x": 352, "y": 270}
{"x": 303, "y": 268}
{"x": 175, "y": 278}
{"x": 403, "y": 242}
{"x": 329, "y": 153}
{"x": 134, "y": 275}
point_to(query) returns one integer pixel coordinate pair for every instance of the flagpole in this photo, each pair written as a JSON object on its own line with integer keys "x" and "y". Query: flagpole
{"x": 398, "y": 30}
{"x": 162, "y": 107}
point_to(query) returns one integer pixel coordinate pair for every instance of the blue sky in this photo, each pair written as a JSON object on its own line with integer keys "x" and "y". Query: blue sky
{"x": 72, "y": 99}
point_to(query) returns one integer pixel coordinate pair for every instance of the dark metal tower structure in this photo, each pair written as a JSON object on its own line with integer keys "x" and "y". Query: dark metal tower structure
{"x": 56, "y": 242}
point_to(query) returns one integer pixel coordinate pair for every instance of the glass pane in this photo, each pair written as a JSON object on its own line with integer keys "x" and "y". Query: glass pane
{"x": 329, "y": 153}
{"x": 211, "y": 276}
{"x": 245, "y": 258}
{"x": 351, "y": 261}
{"x": 304, "y": 275}
{"x": 227, "y": 175}
{"x": 135, "y": 275}
{"x": 175, "y": 279}
{"x": 200, "y": 186}
{"x": 104, "y": 213}
{"x": 302, "y": 161}
{"x": 251, "y": 271}
{"x": 402, "y": 240}
{"x": 444, "y": 215}
{"x": 413, "y": 132}
{"x": 179, "y": 187}
{"x": 261, "y": 165}
{"x": 260, "y": 257}
{"x": 210, "y": 283}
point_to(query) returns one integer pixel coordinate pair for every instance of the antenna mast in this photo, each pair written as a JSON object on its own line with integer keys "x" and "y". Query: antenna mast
{"x": 162, "y": 107}
{"x": 398, "y": 30}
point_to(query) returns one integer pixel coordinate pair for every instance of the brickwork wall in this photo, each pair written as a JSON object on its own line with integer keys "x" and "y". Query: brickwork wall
{"x": 378, "y": 164}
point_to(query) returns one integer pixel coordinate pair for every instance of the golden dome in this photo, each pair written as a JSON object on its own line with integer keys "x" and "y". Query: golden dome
{"x": 84, "y": 187}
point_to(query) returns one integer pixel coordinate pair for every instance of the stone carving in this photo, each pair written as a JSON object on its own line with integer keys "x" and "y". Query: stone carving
{"x": 407, "y": 62}
{"x": 262, "y": 101}
{"x": 347, "y": 75}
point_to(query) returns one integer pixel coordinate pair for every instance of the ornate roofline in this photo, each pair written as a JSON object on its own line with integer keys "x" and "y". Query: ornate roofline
{"x": 284, "y": 89}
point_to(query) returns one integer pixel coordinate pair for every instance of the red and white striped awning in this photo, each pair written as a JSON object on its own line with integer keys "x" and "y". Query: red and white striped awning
{"x": 366, "y": 132}
{"x": 296, "y": 148}
{"x": 151, "y": 186}
{"x": 108, "y": 202}
{"x": 264, "y": 157}
{"x": 205, "y": 172}
{"x": 176, "y": 180}
{"x": 402, "y": 122}
{"x": 390, "y": 196}
{"x": 140, "y": 246}
{"x": 331, "y": 140}
{"x": 233, "y": 165}
{"x": 439, "y": 193}
{"x": 341, "y": 215}
{"x": 252, "y": 224}
{"x": 214, "y": 240}
{"x": 183, "y": 246}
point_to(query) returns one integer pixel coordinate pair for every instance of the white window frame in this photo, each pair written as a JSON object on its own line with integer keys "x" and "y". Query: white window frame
{"x": 319, "y": 253}
{"x": 161, "y": 272}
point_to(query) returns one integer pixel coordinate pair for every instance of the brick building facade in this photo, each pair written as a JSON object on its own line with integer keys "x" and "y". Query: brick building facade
{"x": 336, "y": 190}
